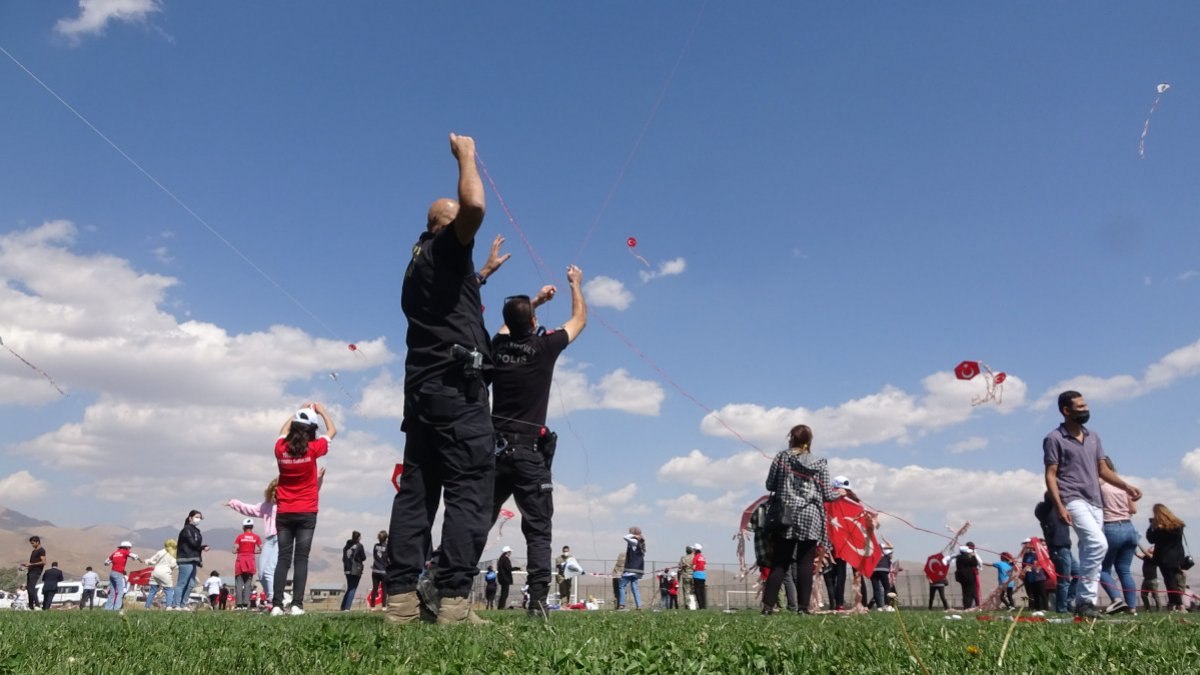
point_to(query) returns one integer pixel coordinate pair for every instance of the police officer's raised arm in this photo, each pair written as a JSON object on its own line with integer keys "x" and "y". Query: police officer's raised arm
{"x": 471, "y": 202}
{"x": 575, "y": 325}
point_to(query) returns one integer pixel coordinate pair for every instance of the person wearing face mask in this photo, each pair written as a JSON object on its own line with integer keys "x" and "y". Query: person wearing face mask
{"x": 1073, "y": 456}
{"x": 190, "y": 557}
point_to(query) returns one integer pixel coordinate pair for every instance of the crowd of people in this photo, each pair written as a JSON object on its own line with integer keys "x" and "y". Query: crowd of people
{"x": 474, "y": 419}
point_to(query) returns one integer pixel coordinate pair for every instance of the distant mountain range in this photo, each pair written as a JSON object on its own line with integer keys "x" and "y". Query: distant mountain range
{"x": 76, "y": 548}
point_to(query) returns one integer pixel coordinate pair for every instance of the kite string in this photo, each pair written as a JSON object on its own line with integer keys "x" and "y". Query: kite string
{"x": 537, "y": 259}
{"x": 35, "y": 368}
{"x": 642, "y": 134}
{"x": 212, "y": 230}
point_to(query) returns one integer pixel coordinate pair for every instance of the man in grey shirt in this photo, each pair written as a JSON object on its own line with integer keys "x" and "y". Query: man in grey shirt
{"x": 1072, "y": 455}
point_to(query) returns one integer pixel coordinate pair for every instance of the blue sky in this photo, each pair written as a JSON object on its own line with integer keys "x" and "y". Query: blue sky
{"x": 854, "y": 197}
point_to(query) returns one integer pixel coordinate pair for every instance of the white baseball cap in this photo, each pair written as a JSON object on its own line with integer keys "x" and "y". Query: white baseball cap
{"x": 1026, "y": 540}
{"x": 697, "y": 546}
{"x": 506, "y": 549}
{"x": 306, "y": 416}
{"x": 249, "y": 522}
{"x": 125, "y": 544}
{"x": 841, "y": 483}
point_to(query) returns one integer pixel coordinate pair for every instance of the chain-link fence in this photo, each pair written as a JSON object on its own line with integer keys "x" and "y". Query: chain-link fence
{"x": 726, "y": 588}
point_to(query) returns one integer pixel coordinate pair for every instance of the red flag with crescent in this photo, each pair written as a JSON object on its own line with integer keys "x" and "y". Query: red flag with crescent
{"x": 1043, "y": 560}
{"x": 396, "y": 474}
{"x": 141, "y": 577}
{"x": 852, "y": 533}
{"x": 936, "y": 569}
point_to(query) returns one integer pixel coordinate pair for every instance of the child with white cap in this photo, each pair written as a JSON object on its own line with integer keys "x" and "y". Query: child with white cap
{"x": 117, "y": 560}
{"x": 246, "y": 546}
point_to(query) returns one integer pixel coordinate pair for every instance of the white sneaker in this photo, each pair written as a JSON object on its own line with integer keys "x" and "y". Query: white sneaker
{"x": 277, "y": 611}
{"x": 296, "y": 611}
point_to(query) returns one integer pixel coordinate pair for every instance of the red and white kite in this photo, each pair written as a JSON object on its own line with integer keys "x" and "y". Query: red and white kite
{"x": 852, "y": 532}
{"x": 969, "y": 370}
{"x": 396, "y": 474}
{"x": 936, "y": 569}
{"x": 631, "y": 243}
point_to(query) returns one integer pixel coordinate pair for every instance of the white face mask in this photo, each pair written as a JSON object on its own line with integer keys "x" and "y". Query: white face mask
{"x": 197, "y": 520}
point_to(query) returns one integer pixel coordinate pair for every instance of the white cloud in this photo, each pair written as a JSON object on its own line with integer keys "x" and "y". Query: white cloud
{"x": 889, "y": 415}
{"x": 1191, "y": 464}
{"x": 163, "y": 255}
{"x": 605, "y": 291}
{"x": 968, "y": 445}
{"x": 590, "y": 502}
{"x": 383, "y": 398}
{"x": 96, "y": 324}
{"x": 689, "y": 508}
{"x": 667, "y": 268}
{"x": 699, "y": 470}
{"x": 21, "y": 486}
{"x": 617, "y": 390}
{"x": 95, "y": 15}
{"x": 1190, "y": 274}
{"x": 176, "y": 404}
{"x": 1183, "y": 362}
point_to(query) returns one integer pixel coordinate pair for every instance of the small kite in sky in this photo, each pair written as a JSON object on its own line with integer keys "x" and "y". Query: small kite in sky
{"x": 969, "y": 370}
{"x": 631, "y": 244}
{"x": 1162, "y": 89}
{"x": 34, "y": 368}
{"x": 334, "y": 377}
{"x": 505, "y": 516}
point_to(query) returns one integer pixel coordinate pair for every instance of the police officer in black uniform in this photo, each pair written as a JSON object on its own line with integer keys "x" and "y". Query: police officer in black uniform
{"x": 449, "y": 447}
{"x": 524, "y": 357}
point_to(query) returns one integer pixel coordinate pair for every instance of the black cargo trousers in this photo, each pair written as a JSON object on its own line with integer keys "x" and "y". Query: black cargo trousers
{"x": 523, "y": 472}
{"x": 449, "y": 451}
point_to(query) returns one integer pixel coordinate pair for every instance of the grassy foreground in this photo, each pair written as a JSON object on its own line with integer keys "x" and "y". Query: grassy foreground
{"x": 590, "y": 642}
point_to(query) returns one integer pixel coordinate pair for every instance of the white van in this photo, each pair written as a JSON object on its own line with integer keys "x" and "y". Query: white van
{"x": 70, "y": 593}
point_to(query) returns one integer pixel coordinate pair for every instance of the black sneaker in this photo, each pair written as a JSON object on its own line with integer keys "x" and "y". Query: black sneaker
{"x": 1087, "y": 610}
{"x": 1115, "y": 606}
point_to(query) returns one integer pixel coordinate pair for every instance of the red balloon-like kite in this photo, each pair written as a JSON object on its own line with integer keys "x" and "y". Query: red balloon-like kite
{"x": 966, "y": 370}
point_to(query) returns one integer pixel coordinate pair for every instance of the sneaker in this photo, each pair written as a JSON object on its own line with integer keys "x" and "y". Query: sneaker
{"x": 1086, "y": 610}
{"x": 297, "y": 611}
{"x": 1115, "y": 606}
{"x": 277, "y": 611}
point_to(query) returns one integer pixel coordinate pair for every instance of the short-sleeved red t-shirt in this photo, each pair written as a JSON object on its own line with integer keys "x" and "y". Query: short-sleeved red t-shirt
{"x": 297, "y": 491}
{"x": 246, "y": 543}
{"x": 119, "y": 558}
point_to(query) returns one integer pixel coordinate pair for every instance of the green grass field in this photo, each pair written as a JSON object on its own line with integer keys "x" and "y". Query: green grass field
{"x": 589, "y": 642}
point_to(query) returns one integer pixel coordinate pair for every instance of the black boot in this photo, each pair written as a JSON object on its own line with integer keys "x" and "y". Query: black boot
{"x": 537, "y": 602}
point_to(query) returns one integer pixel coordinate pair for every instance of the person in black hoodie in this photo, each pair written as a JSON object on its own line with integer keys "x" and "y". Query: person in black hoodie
{"x": 190, "y": 558}
{"x": 966, "y": 571}
{"x": 504, "y": 570}
{"x": 50, "y": 581}
{"x": 379, "y": 565}
{"x": 1166, "y": 533}
{"x": 353, "y": 557}
{"x": 1057, "y": 534}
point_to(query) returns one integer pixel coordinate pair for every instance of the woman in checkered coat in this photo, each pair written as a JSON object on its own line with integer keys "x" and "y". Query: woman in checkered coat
{"x": 799, "y": 483}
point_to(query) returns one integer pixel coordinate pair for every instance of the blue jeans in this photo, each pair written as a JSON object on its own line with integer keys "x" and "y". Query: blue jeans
{"x": 116, "y": 591}
{"x": 351, "y": 587}
{"x": 1067, "y": 569}
{"x": 183, "y": 587}
{"x": 266, "y": 564}
{"x": 1122, "y": 545}
{"x": 629, "y": 579}
{"x": 168, "y": 595}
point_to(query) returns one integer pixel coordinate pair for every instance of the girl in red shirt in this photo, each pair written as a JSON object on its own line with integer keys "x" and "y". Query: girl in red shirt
{"x": 296, "y": 453}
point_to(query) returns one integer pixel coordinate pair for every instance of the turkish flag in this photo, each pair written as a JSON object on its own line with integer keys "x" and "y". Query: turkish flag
{"x": 1043, "y": 560}
{"x": 852, "y": 533}
{"x": 141, "y": 577}
{"x": 936, "y": 569}
{"x": 396, "y": 473}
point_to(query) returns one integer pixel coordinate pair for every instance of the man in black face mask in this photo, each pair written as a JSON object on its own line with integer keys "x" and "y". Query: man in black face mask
{"x": 1072, "y": 455}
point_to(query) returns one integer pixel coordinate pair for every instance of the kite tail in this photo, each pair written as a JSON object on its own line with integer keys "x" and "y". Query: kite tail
{"x": 1146, "y": 128}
